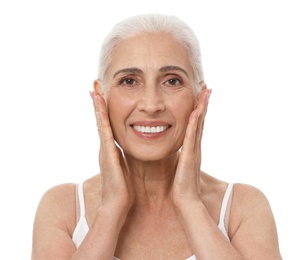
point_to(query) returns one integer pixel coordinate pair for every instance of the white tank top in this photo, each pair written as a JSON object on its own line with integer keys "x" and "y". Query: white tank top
{"x": 82, "y": 227}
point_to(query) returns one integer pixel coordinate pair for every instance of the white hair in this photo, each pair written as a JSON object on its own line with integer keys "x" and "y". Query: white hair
{"x": 157, "y": 23}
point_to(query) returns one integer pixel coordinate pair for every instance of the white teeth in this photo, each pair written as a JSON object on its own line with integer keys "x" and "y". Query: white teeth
{"x": 150, "y": 129}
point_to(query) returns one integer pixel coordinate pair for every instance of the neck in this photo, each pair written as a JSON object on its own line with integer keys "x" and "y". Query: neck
{"x": 152, "y": 180}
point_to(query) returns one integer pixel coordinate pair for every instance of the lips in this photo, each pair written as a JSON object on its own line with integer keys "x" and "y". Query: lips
{"x": 147, "y": 127}
{"x": 150, "y": 129}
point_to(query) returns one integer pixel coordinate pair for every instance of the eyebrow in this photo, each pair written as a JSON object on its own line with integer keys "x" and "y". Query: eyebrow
{"x": 130, "y": 70}
{"x": 172, "y": 68}
{"x": 139, "y": 71}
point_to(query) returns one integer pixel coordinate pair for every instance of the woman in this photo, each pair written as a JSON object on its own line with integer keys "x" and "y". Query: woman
{"x": 151, "y": 200}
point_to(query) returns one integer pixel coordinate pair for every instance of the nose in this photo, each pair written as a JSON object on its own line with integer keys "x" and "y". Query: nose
{"x": 152, "y": 100}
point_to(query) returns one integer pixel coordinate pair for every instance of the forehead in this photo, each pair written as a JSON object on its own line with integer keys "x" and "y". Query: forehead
{"x": 149, "y": 51}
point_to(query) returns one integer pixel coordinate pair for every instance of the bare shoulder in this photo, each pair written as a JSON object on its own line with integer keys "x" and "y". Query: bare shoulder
{"x": 252, "y": 228}
{"x": 245, "y": 196}
{"x": 66, "y": 189}
{"x": 247, "y": 190}
{"x": 58, "y": 204}
{"x": 252, "y": 224}
{"x": 54, "y": 222}
{"x": 62, "y": 198}
{"x": 247, "y": 199}
{"x": 60, "y": 195}
{"x": 249, "y": 205}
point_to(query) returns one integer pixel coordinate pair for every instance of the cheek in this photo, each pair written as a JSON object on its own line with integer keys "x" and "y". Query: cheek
{"x": 182, "y": 111}
{"x": 184, "y": 106}
{"x": 115, "y": 112}
{"x": 119, "y": 108}
{"x": 184, "y": 117}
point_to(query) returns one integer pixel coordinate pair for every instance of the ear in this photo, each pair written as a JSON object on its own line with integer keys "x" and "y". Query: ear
{"x": 97, "y": 87}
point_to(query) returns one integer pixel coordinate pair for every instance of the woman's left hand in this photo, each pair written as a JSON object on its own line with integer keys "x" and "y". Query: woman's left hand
{"x": 186, "y": 185}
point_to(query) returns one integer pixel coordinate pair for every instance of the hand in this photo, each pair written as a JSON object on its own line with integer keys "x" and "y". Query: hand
{"x": 186, "y": 185}
{"x": 115, "y": 184}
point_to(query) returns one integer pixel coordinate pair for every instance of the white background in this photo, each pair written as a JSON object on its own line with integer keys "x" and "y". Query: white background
{"x": 48, "y": 61}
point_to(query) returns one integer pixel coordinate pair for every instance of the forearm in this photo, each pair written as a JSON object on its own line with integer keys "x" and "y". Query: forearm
{"x": 205, "y": 237}
{"x": 102, "y": 238}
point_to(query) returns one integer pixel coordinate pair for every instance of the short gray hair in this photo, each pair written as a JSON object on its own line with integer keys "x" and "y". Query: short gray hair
{"x": 139, "y": 24}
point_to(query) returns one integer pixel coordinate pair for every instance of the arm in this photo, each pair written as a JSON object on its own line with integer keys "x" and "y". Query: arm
{"x": 102, "y": 238}
{"x": 252, "y": 228}
{"x": 54, "y": 221}
{"x": 256, "y": 236}
{"x": 116, "y": 197}
{"x": 252, "y": 231}
{"x": 52, "y": 236}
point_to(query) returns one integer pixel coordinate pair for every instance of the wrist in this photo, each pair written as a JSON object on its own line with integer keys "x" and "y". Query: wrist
{"x": 190, "y": 208}
{"x": 115, "y": 216}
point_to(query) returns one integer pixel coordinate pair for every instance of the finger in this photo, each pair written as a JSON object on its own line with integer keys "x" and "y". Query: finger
{"x": 202, "y": 111}
{"x": 100, "y": 112}
{"x": 103, "y": 124}
{"x": 202, "y": 105}
{"x": 185, "y": 173}
{"x": 196, "y": 119}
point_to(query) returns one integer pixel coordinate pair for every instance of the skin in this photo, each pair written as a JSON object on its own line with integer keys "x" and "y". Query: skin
{"x": 153, "y": 202}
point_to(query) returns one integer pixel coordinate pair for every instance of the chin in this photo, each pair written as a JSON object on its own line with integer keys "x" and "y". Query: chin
{"x": 150, "y": 155}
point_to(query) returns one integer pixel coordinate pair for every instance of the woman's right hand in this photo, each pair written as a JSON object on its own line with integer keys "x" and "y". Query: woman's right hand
{"x": 116, "y": 191}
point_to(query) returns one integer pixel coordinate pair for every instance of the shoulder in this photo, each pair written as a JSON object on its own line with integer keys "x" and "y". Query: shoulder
{"x": 252, "y": 228}
{"x": 252, "y": 224}
{"x": 64, "y": 195}
{"x": 62, "y": 198}
{"x": 250, "y": 209}
{"x": 246, "y": 198}
{"x": 58, "y": 205}
{"x": 60, "y": 190}
{"x": 249, "y": 202}
{"x": 55, "y": 221}
{"x": 60, "y": 195}
{"x": 244, "y": 195}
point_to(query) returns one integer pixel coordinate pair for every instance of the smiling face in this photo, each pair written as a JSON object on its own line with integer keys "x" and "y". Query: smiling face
{"x": 150, "y": 95}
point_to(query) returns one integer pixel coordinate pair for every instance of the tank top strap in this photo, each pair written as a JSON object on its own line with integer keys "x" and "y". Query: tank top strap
{"x": 225, "y": 209}
{"x": 82, "y": 227}
{"x": 80, "y": 201}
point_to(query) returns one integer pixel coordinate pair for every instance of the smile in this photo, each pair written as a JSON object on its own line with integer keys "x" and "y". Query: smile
{"x": 150, "y": 129}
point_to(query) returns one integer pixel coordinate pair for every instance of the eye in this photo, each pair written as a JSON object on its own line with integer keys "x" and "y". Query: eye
{"x": 128, "y": 82}
{"x": 174, "y": 82}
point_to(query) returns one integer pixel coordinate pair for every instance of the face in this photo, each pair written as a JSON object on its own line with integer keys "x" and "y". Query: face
{"x": 150, "y": 95}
